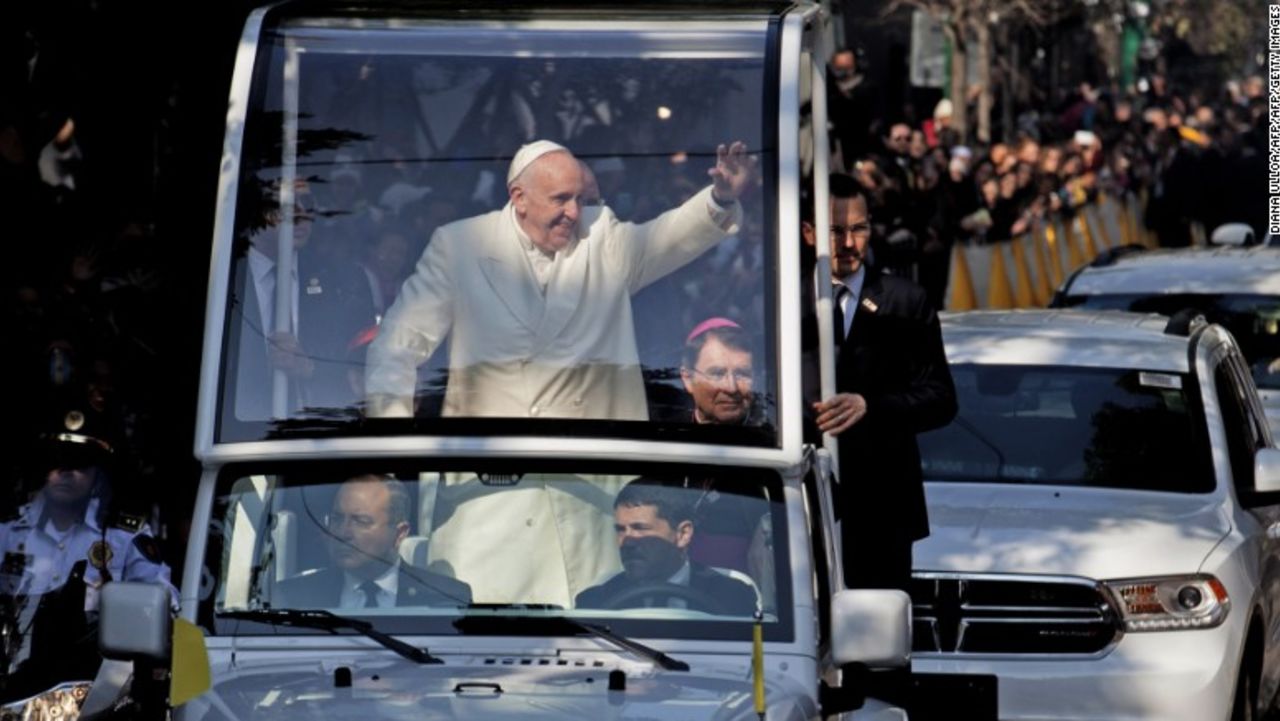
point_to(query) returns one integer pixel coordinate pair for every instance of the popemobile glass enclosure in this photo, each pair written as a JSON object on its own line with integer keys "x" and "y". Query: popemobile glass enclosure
{"x": 505, "y": 305}
{"x": 654, "y": 335}
{"x": 368, "y": 143}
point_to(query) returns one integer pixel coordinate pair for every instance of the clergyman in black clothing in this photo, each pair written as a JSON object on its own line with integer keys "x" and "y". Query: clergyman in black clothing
{"x": 654, "y": 524}
{"x": 892, "y": 382}
{"x": 370, "y": 518}
{"x": 717, "y": 373}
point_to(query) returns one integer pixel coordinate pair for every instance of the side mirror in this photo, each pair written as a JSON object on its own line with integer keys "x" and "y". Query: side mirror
{"x": 871, "y": 627}
{"x": 1237, "y": 234}
{"x": 134, "y": 622}
{"x": 1266, "y": 470}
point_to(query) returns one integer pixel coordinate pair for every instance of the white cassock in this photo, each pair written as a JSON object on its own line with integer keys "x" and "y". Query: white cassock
{"x": 516, "y": 351}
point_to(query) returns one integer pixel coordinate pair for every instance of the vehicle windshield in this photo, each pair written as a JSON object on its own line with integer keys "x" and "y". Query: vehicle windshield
{"x": 387, "y": 265}
{"x": 1063, "y": 425}
{"x": 683, "y": 552}
{"x": 1254, "y": 320}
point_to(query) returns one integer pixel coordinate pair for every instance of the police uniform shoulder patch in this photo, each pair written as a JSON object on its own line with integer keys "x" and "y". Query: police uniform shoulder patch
{"x": 129, "y": 522}
{"x": 148, "y": 547}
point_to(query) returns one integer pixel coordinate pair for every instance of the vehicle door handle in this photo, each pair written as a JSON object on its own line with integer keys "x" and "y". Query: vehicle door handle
{"x": 492, "y": 688}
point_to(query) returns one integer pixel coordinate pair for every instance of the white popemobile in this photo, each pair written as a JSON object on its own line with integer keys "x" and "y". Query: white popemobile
{"x": 1104, "y": 527}
{"x": 524, "y": 564}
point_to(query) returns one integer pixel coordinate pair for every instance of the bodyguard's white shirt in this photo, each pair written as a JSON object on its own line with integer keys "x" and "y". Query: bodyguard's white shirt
{"x": 388, "y": 584}
{"x": 264, "y": 283}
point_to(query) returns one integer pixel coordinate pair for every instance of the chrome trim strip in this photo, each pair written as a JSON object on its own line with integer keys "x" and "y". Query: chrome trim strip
{"x": 674, "y": 40}
{"x": 491, "y": 447}
{"x": 1017, "y": 577}
{"x": 1106, "y": 602}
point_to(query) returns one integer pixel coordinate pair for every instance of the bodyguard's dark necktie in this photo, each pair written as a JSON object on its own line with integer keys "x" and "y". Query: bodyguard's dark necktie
{"x": 370, "y": 591}
{"x": 838, "y": 293}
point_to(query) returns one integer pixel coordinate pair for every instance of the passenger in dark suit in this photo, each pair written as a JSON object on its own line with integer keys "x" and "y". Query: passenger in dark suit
{"x": 654, "y": 524}
{"x": 892, "y": 382}
{"x": 370, "y": 518}
{"x": 333, "y": 303}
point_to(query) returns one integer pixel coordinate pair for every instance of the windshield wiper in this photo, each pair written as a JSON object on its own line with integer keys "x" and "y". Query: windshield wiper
{"x": 327, "y": 621}
{"x": 635, "y": 647}
{"x": 493, "y": 624}
{"x": 977, "y": 434}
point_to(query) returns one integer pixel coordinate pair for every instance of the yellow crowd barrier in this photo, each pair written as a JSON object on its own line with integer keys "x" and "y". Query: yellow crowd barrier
{"x": 1024, "y": 272}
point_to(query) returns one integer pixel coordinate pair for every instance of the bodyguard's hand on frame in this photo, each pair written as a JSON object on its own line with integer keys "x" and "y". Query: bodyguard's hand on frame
{"x": 840, "y": 412}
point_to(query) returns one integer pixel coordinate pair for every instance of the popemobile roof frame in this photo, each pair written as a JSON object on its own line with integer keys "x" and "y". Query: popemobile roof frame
{"x": 311, "y": 27}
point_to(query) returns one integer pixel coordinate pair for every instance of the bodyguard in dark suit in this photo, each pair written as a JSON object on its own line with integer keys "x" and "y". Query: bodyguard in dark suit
{"x": 654, "y": 524}
{"x": 892, "y": 382}
{"x": 370, "y": 518}
{"x": 332, "y": 304}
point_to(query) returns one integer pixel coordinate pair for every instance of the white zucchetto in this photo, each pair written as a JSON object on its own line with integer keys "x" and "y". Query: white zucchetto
{"x": 529, "y": 153}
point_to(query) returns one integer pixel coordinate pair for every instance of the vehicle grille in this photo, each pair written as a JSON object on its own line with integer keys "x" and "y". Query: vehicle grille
{"x": 1010, "y": 615}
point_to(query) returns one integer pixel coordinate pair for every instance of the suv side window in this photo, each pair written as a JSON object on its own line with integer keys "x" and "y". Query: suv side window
{"x": 1255, "y": 416}
{"x": 1237, "y": 425}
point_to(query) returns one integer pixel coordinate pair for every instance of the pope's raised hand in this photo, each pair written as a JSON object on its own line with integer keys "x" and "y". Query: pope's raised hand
{"x": 734, "y": 171}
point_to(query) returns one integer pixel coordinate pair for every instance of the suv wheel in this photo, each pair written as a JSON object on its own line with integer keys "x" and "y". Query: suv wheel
{"x": 1245, "y": 707}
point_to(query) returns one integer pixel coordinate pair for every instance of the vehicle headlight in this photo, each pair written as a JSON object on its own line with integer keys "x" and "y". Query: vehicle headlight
{"x": 62, "y": 702}
{"x": 1169, "y": 603}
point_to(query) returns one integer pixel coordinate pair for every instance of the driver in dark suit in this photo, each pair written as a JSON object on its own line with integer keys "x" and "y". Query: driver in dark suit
{"x": 654, "y": 524}
{"x": 370, "y": 518}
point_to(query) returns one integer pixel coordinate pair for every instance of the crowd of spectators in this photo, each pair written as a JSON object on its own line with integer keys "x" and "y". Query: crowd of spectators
{"x": 1190, "y": 159}
{"x": 90, "y": 289}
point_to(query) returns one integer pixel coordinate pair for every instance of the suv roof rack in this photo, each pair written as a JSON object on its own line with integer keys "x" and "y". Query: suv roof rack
{"x": 1185, "y": 322}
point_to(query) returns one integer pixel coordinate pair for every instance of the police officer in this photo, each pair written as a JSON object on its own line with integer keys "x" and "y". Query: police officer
{"x": 69, "y": 521}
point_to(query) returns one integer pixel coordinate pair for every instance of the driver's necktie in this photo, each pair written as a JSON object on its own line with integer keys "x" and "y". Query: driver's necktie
{"x": 370, "y": 591}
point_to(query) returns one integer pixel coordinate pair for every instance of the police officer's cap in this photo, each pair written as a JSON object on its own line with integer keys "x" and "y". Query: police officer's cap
{"x": 77, "y": 437}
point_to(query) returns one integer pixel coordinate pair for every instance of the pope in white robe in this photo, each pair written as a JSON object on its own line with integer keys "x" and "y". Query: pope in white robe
{"x": 537, "y": 296}
{"x": 535, "y": 299}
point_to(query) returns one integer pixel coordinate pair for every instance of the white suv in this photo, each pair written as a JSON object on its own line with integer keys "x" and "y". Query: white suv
{"x": 1236, "y": 287}
{"x": 1104, "y": 539}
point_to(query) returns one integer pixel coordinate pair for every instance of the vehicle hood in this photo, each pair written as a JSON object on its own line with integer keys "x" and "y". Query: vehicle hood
{"x": 396, "y": 690}
{"x": 1094, "y": 533}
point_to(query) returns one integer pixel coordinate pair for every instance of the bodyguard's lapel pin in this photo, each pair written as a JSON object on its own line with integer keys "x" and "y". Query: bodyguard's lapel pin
{"x": 313, "y": 287}
{"x": 869, "y": 305}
